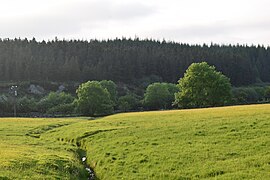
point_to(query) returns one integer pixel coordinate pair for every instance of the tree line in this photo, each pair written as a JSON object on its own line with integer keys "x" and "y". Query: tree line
{"x": 127, "y": 61}
{"x": 201, "y": 86}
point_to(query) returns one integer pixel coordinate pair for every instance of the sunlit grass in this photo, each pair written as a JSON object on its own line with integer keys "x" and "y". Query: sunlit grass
{"x": 213, "y": 143}
{"x": 223, "y": 143}
{"x": 27, "y": 157}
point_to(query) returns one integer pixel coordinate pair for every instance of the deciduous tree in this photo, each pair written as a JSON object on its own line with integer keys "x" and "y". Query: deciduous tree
{"x": 203, "y": 86}
{"x": 159, "y": 95}
{"x": 93, "y": 99}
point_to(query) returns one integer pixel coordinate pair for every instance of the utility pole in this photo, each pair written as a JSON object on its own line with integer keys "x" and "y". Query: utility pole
{"x": 14, "y": 90}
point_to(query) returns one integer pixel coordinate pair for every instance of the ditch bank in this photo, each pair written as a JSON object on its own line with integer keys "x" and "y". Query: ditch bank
{"x": 83, "y": 158}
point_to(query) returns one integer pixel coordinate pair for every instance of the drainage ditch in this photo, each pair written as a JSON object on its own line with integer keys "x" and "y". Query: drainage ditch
{"x": 83, "y": 158}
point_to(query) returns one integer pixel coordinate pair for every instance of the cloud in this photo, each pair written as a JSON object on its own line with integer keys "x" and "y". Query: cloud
{"x": 226, "y": 31}
{"x": 179, "y": 20}
{"x": 72, "y": 17}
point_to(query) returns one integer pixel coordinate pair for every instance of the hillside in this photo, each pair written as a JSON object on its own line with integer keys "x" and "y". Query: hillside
{"x": 26, "y": 155}
{"x": 223, "y": 143}
{"x": 126, "y": 61}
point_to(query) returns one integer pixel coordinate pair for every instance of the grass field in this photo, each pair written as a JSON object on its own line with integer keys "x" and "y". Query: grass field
{"x": 214, "y": 143}
{"x": 26, "y": 155}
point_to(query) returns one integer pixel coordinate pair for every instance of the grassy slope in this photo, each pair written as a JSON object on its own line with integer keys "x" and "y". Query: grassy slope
{"x": 225, "y": 143}
{"x": 26, "y": 155}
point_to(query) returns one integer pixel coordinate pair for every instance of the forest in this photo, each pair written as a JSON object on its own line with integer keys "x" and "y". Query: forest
{"x": 128, "y": 61}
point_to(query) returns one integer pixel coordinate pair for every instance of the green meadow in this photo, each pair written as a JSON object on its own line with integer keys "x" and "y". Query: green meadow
{"x": 211, "y": 143}
{"x": 26, "y": 155}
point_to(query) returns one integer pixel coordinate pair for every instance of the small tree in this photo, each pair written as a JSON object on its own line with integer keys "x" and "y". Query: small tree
{"x": 111, "y": 87}
{"x": 27, "y": 105}
{"x": 129, "y": 102}
{"x": 54, "y": 99}
{"x": 203, "y": 86}
{"x": 267, "y": 93}
{"x": 93, "y": 99}
{"x": 159, "y": 95}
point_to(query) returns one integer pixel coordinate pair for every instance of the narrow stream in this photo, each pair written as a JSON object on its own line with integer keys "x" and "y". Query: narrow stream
{"x": 83, "y": 158}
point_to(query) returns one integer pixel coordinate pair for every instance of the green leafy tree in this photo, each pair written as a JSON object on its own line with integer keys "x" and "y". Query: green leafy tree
{"x": 26, "y": 105}
{"x": 54, "y": 99}
{"x": 93, "y": 99}
{"x": 6, "y": 104}
{"x": 239, "y": 96}
{"x": 203, "y": 86}
{"x": 172, "y": 88}
{"x": 111, "y": 87}
{"x": 159, "y": 95}
{"x": 129, "y": 102}
{"x": 247, "y": 95}
{"x": 62, "y": 109}
{"x": 267, "y": 93}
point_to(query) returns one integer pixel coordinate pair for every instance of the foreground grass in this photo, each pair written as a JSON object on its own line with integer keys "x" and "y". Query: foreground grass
{"x": 214, "y": 143}
{"x": 26, "y": 155}
{"x": 223, "y": 143}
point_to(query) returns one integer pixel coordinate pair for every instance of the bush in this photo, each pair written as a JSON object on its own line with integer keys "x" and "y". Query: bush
{"x": 247, "y": 95}
{"x": 6, "y": 104}
{"x": 159, "y": 95}
{"x": 54, "y": 99}
{"x": 129, "y": 102}
{"x": 26, "y": 105}
{"x": 62, "y": 109}
{"x": 267, "y": 93}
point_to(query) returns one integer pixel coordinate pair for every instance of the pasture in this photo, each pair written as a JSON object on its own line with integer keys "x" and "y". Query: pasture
{"x": 26, "y": 155}
{"x": 212, "y": 143}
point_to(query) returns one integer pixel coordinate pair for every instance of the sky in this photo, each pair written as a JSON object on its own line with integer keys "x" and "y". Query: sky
{"x": 185, "y": 21}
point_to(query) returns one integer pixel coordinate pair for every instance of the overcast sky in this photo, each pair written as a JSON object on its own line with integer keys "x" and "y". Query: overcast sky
{"x": 188, "y": 21}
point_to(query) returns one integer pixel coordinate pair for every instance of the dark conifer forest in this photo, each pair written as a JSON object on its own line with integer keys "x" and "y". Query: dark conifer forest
{"x": 126, "y": 60}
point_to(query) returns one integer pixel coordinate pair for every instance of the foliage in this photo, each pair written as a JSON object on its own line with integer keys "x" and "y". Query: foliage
{"x": 126, "y": 60}
{"x": 93, "y": 99}
{"x": 54, "y": 99}
{"x": 159, "y": 95}
{"x": 172, "y": 88}
{"x": 248, "y": 95}
{"x": 203, "y": 86}
{"x": 267, "y": 93}
{"x": 26, "y": 105}
{"x": 129, "y": 102}
{"x": 6, "y": 104}
{"x": 62, "y": 109}
{"x": 146, "y": 81}
{"x": 111, "y": 88}
{"x": 239, "y": 96}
